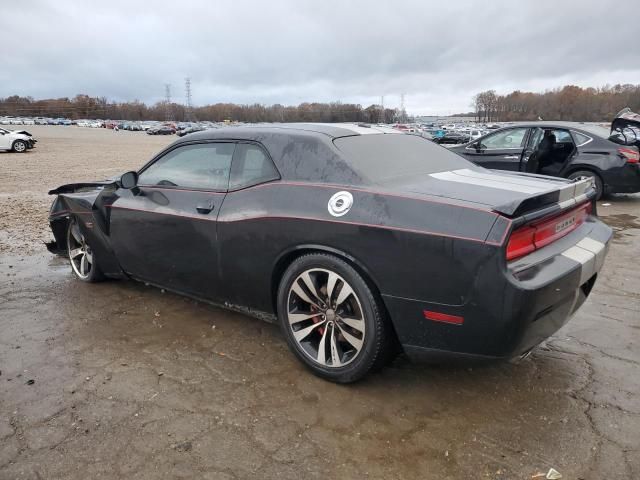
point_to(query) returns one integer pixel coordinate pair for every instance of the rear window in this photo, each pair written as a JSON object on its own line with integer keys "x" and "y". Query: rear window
{"x": 381, "y": 157}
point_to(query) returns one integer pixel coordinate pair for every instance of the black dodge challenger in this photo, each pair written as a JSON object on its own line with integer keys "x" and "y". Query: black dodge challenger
{"x": 359, "y": 240}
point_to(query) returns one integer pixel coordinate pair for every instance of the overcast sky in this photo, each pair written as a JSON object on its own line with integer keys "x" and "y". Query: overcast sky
{"x": 438, "y": 53}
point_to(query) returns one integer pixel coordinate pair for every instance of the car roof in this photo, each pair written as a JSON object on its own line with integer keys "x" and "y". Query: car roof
{"x": 330, "y": 130}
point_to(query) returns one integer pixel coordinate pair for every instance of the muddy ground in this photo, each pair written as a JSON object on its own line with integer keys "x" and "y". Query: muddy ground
{"x": 119, "y": 380}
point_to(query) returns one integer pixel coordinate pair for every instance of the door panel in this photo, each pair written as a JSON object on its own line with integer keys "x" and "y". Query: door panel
{"x": 501, "y": 150}
{"x": 165, "y": 230}
{"x": 5, "y": 141}
{"x": 159, "y": 236}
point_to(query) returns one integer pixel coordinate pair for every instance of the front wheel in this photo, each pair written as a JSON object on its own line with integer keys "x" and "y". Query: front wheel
{"x": 81, "y": 256}
{"x": 331, "y": 319}
{"x": 19, "y": 146}
{"x": 589, "y": 174}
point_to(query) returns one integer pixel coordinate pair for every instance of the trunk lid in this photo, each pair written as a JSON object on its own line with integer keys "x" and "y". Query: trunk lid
{"x": 625, "y": 128}
{"x": 508, "y": 193}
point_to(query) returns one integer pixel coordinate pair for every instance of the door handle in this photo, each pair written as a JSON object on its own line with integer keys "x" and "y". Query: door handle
{"x": 511, "y": 157}
{"x": 204, "y": 209}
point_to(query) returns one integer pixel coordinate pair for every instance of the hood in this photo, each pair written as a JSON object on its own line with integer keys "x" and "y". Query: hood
{"x": 508, "y": 193}
{"x": 21, "y": 132}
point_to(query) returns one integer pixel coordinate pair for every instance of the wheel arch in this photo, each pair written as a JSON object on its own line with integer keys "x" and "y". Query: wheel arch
{"x": 581, "y": 166}
{"x": 588, "y": 168}
{"x": 26, "y": 144}
{"x": 290, "y": 255}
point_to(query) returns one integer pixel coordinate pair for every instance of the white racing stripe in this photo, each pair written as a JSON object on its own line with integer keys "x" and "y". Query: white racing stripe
{"x": 568, "y": 193}
{"x": 514, "y": 179}
{"x": 599, "y": 249}
{"x": 495, "y": 182}
{"x": 589, "y": 253}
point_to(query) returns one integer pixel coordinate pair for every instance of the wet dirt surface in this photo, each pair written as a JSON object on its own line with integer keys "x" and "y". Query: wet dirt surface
{"x": 120, "y": 380}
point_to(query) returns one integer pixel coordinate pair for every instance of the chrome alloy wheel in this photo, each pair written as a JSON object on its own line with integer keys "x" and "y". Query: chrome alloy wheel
{"x": 326, "y": 317}
{"x": 80, "y": 254}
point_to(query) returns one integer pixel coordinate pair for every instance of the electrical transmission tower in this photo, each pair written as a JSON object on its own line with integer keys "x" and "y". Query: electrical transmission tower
{"x": 167, "y": 102}
{"x": 189, "y": 106}
{"x": 403, "y": 112}
{"x": 381, "y": 116}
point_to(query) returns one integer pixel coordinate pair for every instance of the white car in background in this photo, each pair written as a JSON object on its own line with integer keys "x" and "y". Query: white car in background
{"x": 15, "y": 141}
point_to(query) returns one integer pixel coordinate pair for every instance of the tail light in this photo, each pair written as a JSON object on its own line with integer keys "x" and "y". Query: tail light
{"x": 632, "y": 155}
{"x": 533, "y": 236}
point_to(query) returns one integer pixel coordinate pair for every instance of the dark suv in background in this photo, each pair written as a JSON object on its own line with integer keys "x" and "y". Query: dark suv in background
{"x": 565, "y": 149}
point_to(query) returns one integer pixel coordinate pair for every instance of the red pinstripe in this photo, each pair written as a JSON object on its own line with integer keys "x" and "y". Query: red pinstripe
{"x": 284, "y": 217}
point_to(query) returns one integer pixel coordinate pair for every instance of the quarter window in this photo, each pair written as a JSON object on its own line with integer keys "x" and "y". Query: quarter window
{"x": 205, "y": 166}
{"x": 251, "y": 166}
{"x": 512, "y": 138}
{"x": 580, "y": 138}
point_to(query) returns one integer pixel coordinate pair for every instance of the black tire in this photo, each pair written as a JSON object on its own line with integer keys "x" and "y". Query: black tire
{"x": 82, "y": 258}
{"x": 19, "y": 146}
{"x": 596, "y": 178}
{"x": 376, "y": 336}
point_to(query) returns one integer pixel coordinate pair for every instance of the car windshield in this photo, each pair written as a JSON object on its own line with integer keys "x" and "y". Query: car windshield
{"x": 383, "y": 157}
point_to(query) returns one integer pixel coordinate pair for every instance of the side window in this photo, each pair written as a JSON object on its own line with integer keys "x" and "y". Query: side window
{"x": 580, "y": 138}
{"x": 562, "y": 136}
{"x": 512, "y": 138}
{"x": 251, "y": 166}
{"x": 203, "y": 166}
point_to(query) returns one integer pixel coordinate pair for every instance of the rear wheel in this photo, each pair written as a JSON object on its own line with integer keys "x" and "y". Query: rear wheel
{"x": 589, "y": 174}
{"x": 332, "y": 320}
{"x": 19, "y": 146}
{"x": 81, "y": 256}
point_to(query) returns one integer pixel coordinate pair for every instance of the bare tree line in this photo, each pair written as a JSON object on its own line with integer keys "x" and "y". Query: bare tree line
{"x": 86, "y": 107}
{"x": 569, "y": 103}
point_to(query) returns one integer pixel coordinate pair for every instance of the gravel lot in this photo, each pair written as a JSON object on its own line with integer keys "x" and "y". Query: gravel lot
{"x": 119, "y": 380}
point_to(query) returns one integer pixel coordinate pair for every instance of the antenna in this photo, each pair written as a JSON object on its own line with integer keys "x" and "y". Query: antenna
{"x": 167, "y": 102}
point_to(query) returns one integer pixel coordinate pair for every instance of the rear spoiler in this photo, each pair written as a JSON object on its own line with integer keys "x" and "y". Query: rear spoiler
{"x": 565, "y": 194}
{"x": 74, "y": 187}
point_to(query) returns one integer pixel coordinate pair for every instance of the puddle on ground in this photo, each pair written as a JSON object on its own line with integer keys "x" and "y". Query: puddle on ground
{"x": 623, "y": 225}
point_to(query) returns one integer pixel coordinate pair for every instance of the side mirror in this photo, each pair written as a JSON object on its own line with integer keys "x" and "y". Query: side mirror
{"x": 129, "y": 180}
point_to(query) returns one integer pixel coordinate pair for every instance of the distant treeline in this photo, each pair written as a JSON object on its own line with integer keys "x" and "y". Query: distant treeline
{"x": 86, "y": 107}
{"x": 567, "y": 103}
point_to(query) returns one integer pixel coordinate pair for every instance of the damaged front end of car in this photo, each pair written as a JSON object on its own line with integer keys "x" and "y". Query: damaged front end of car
{"x": 87, "y": 203}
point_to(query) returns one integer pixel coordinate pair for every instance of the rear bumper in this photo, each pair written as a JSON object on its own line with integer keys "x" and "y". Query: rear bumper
{"x": 511, "y": 311}
{"x": 625, "y": 179}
